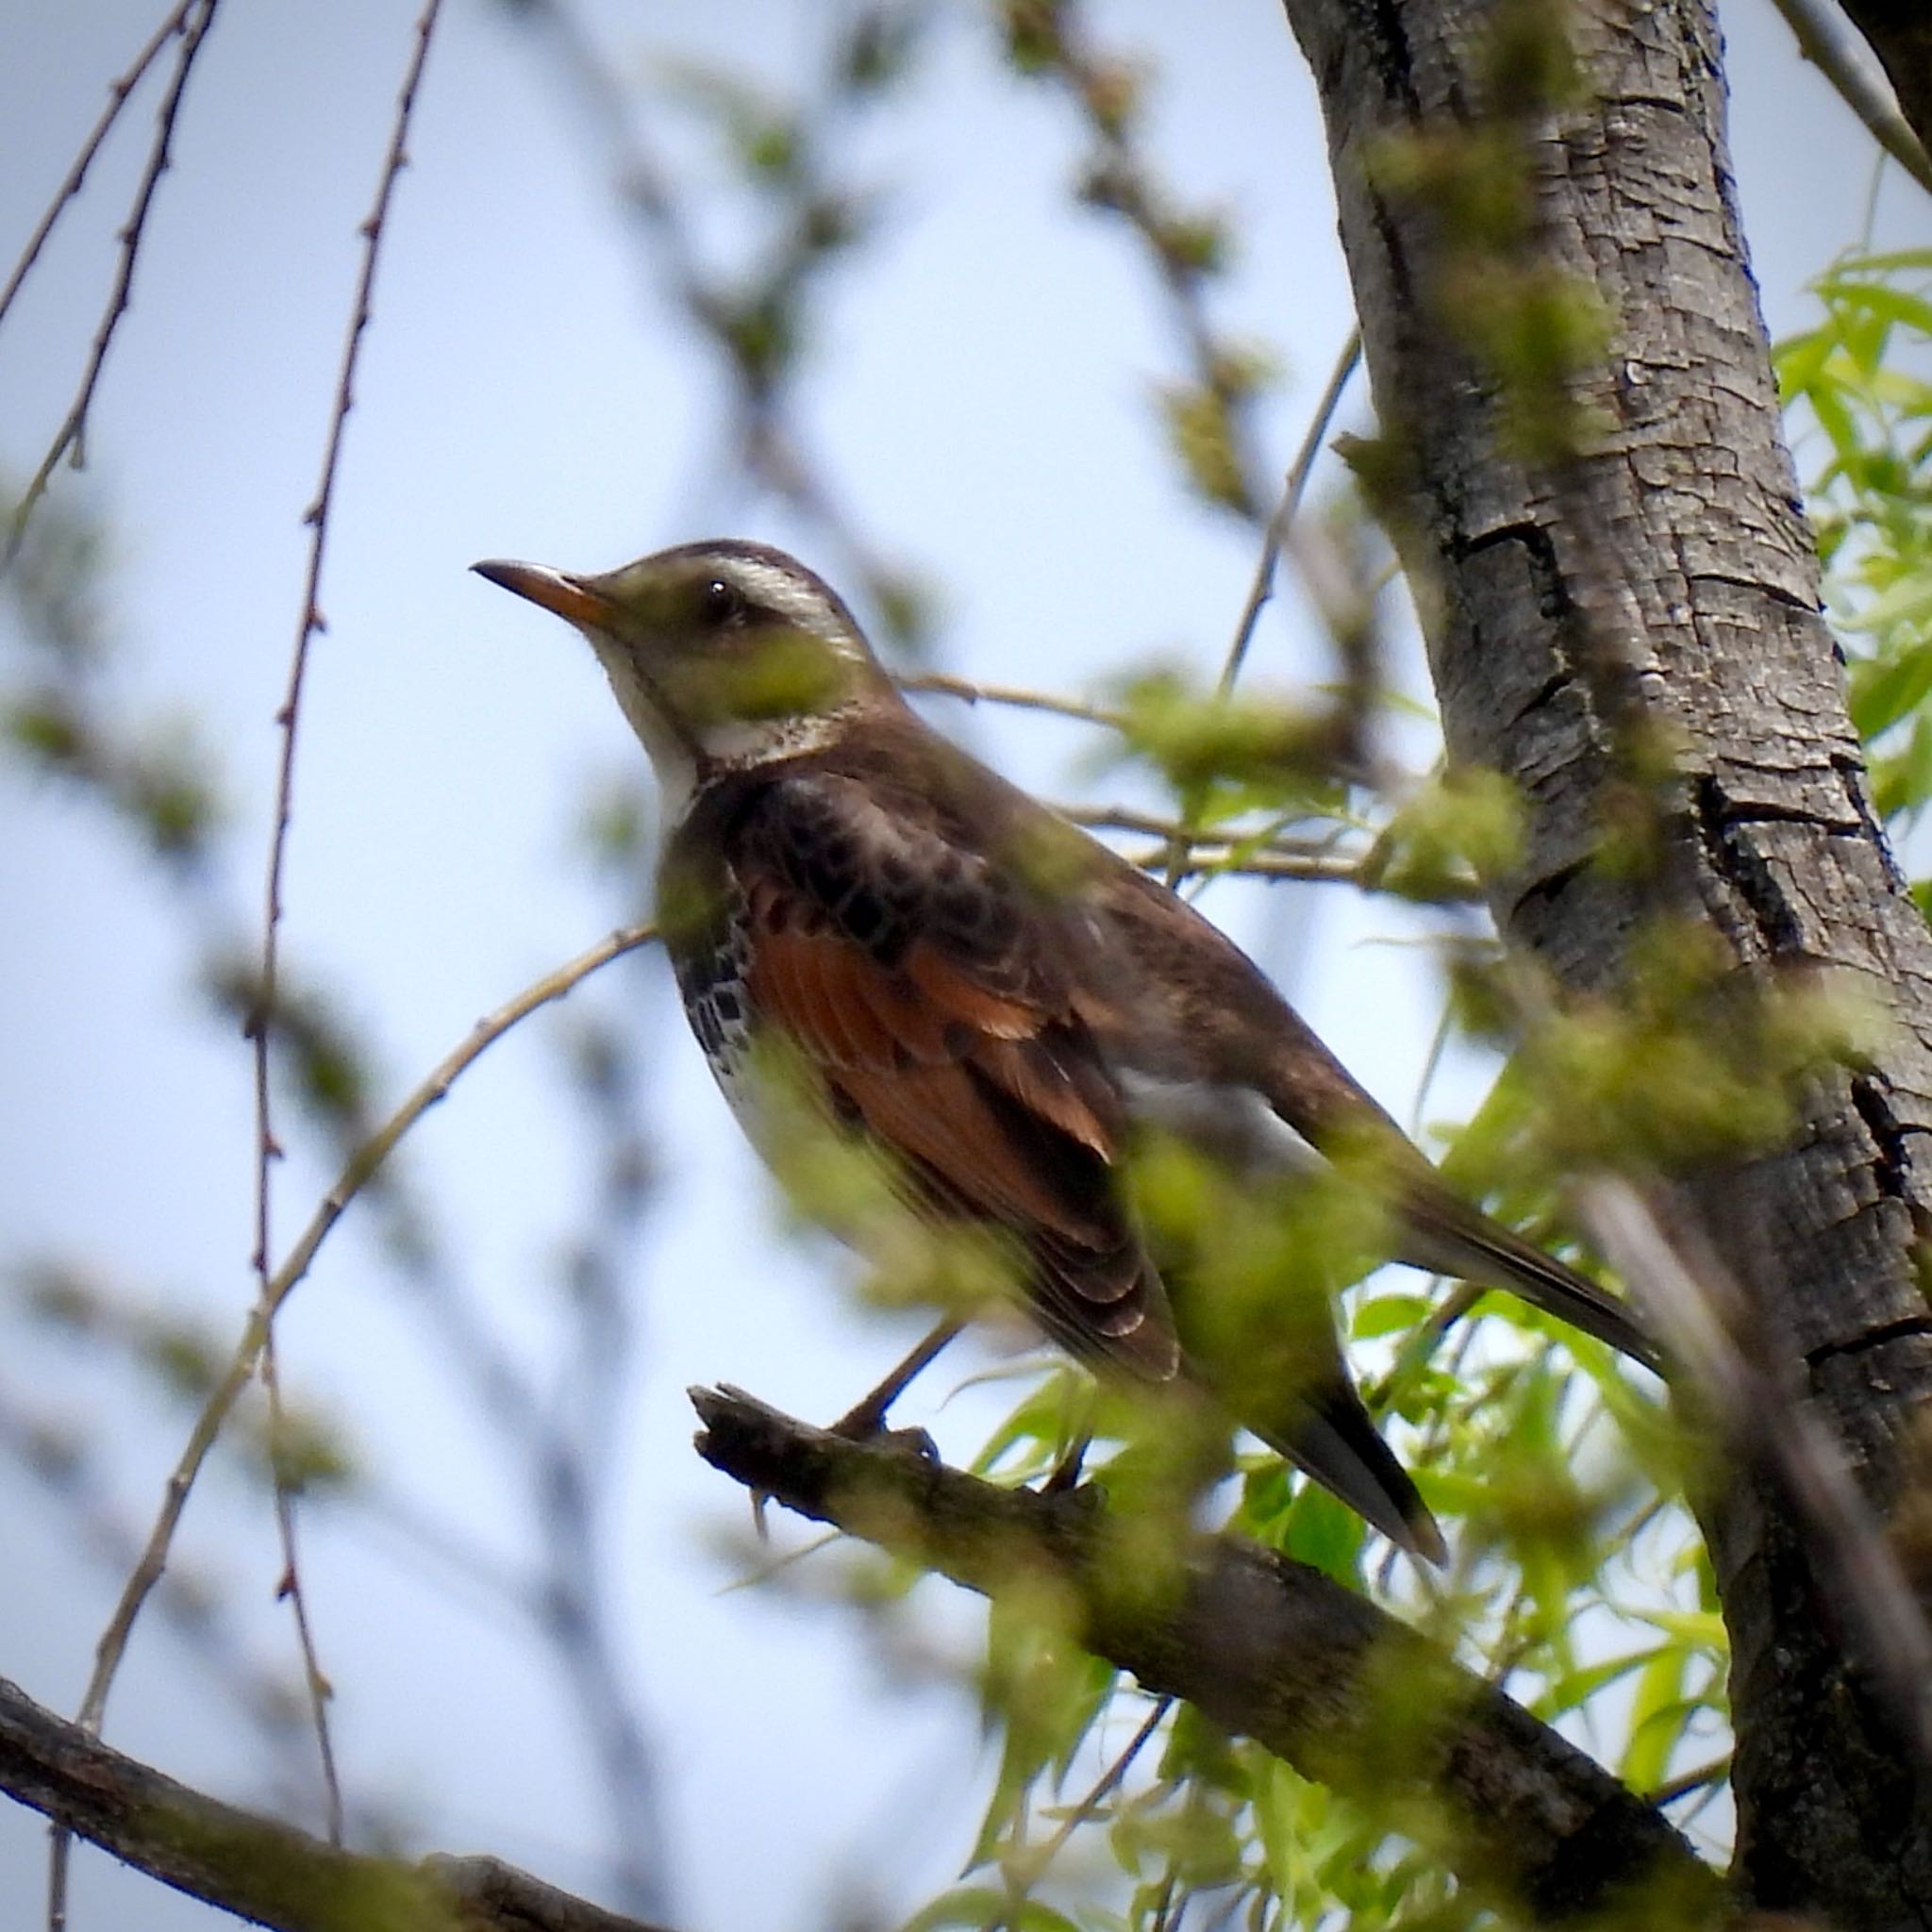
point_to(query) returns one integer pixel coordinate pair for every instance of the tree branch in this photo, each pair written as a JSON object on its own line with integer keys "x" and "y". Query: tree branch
{"x": 70, "y": 439}
{"x": 1833, "y": 48}
{"x": 1269, "y": 1648}
{"x": 258, "y": 1868}
{"x": 1900, "y": 32}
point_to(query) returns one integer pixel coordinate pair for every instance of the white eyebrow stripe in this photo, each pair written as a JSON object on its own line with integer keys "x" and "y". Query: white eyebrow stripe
{"x": 794, "y": 599}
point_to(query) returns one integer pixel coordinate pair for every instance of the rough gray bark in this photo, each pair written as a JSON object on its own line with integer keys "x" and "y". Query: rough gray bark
{"x": 1271, "y": 1650}
{"x": 1663, "y": 576}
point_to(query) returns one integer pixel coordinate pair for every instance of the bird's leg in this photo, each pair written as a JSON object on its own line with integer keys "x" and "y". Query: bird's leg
{"x": 1066, "y": 1472}
{"x": 1064, "y": 1477}
{"x": 867, "y": 1417}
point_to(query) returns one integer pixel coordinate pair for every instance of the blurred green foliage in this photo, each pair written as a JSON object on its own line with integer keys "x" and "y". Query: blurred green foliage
{"x": 60, "y": 715}
{"x": 1858, "y": 389}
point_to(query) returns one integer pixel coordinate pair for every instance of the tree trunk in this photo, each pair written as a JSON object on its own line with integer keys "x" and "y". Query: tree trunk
{"x": 1660, "y": 575}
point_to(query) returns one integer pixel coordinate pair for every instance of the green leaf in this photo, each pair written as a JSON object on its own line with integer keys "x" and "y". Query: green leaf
{"x": 1575, "y": 1688}
{"x": 1908, "y": 601}
{"x": 986, "y": 1906}
{"x": 1887, "y": 303}
{"x": 1388, "y": 1314}
{"x": 1884, "y": 689}
{"x": 1884, "y": 265}
{"x": 1704, "y": 1629}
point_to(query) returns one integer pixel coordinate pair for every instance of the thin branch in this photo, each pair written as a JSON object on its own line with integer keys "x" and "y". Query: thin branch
{"x": 257, "y": 1867}
{"x": 1713, "y": 1772}
{"x": 118, "y": 92}
{"x": 575, "y": 1619}
{"x": 1273, "y": 539}
{"x": 1267, "y": 1648}
{"x": 1293, "y": 490}
{"x": 263, "y": 1021}
{"x": 360, "y": 1170}
{"x": 1212, "y": 859}
{"x": 1020, "y": 697}
{"x": 1825, "y": 40}
{"x": 1033, "y": 1866}
{"x": 71, "y": 438}
{"x": 1230, "y": 855}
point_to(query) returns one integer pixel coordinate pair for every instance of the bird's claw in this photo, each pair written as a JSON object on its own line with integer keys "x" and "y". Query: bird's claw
{"x": 860, "y": 1427}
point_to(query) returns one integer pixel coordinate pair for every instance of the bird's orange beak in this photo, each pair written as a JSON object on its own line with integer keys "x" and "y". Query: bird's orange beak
{"x": 570, "y": 597}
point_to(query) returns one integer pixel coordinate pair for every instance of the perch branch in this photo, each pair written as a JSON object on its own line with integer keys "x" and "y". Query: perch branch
{"x": 1265, "y": 1647}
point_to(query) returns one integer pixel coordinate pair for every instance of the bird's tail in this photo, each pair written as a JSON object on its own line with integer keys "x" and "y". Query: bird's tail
{"x": 1335, "y": 1442}
{"x": 1448, "y": 1237}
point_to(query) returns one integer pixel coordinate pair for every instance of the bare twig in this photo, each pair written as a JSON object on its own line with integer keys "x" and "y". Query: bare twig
{"x": 118, "y": 92}
{"x": 1713, "y": 1772}
{"x": 263, "y": 1021}
{"x": 1831, "y": 47}
{"x": 1033, "y": 1865}
{"x": 1259, "y": 855}
{"x": 1212, "y": 858}
{"x": 360, "y": 1169}
{"x": 257, "y": 1867}
{"x": 1274, "y": 539}
{"x": 70, "y": 439}
{"x": 1292, "y": 491}
{"x": 1020, "y": 697}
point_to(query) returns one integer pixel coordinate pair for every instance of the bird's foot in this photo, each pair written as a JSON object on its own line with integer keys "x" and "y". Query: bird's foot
{"x": 866, "y": 1423}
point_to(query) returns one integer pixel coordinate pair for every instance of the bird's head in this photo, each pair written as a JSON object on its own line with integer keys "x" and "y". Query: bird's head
{"x": 722, "y": 654}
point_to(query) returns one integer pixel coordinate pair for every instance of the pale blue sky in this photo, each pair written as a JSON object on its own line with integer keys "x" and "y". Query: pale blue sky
{"x": 982, "y": 396}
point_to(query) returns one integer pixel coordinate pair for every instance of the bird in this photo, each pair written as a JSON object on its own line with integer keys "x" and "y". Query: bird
{"x": 999, "y": 1005}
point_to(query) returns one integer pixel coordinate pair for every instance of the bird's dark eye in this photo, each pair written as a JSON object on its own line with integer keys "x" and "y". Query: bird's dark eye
{"x": 721, "y": 604}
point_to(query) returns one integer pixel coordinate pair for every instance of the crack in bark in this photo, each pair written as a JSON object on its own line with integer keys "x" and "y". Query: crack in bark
{"x": 1726, "y": 818}
{"x": 1852, "y": 776}
{"x": 1545, "y": 693}
{"x": 1550, "y": 887}
{"x": 1892, "y": 1167}
{"x": 1387, "y": 35}
{"x": 1906, "y": 1330}
{"x": 1757, "y": 586}
{"x": 1745, "y": 870}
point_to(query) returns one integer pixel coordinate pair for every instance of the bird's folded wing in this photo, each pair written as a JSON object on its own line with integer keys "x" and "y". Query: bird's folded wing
{"x": 908, "y": 973}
